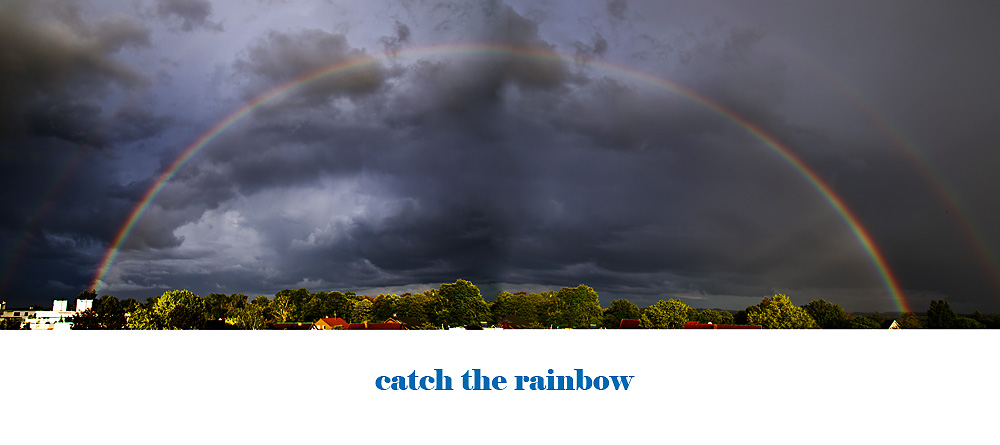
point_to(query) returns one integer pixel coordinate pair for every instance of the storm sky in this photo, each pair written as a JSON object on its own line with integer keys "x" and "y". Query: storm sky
{"x": 516, "y": 172}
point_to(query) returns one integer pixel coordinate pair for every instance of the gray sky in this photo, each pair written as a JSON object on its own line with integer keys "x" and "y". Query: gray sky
{"x": 514, "y": 172}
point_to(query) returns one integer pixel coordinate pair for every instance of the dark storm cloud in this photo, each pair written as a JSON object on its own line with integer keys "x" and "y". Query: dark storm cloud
{"x": 191, "y": 14}
{"x": 506, "y": 169}
{"x": 46, "y": 59}
{"x": 279, "y": 57}
{"x": 513, "y": 169}
{"x": 59, "y": 65}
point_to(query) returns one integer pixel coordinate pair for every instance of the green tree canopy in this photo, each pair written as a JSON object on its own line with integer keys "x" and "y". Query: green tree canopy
{"x": 362, "y": 311}
{"x": 714, "y": 316}
{"x": 778, "y": 312}
{"x": 580, "y": 306}
{"x": 909, "y": 320}
{"x": 218, "y": 305}
{"x": 828, "y": 315}
{"x": 179, "y": 309}
{"x": 864, "y": 322}
{"x": 462, "y": 304}
{"x": 967, "y": 323}
{"x": 251, "y": 316}
{"x": 10, "y": 324}
{"x": 176, "y": 309}
{"x": 940, "y": 315}
{"x": 670, "y": 314}
{"x": 619, "y": 310}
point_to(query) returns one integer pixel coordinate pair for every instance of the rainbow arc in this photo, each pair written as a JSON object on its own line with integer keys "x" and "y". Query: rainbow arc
{"x": 810, "y": 175}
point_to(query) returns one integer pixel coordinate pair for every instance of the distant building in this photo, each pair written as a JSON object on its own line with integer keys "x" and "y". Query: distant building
{"x": 59, "y": 318}
{"x": 21, "y": 314}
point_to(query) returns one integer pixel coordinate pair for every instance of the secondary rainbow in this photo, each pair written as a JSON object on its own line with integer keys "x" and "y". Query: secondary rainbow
{"x": 859, "y": 232}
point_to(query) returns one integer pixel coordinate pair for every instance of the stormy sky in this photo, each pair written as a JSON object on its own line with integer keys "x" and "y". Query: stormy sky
{"x": 513, "y": 171}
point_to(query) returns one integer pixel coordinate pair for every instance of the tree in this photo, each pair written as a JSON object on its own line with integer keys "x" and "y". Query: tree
{"x": 297, "y": 299}
{"x": 340, "y": 305}
{"x": 218, "y": 306}
{"x": 778, "y": 312}
{"x": 282, "y": 309}
{"x": 828, "y": 315}
{"x": 362, "y": 311}
{"x": 86, "y": 320}
{"x": 142, "y": 318}
{"x": 714, "y": 316}
{"x": 525, "y": 306}
{"x": 670, "y": 314}
{"x": 909, "y": 320}
{"x": 966, "y": 323}
{"x": 580, "y": 306}
{"x": 940, "y": 315}
{"x": 251, "y": 316}
{"x": 462, "y": 304}
{"x": 10, "y": 324}
{"x": 864, "y": 323}
{"x": 110, "y": 312}
{"x": 179, "y": 309}
{"x": 175, "y": 309}
{"x": 386, "y": 306}
{"x": 619, "y": 310}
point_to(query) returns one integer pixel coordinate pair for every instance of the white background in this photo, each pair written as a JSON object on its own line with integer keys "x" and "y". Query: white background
{"x": 704, "y": 386}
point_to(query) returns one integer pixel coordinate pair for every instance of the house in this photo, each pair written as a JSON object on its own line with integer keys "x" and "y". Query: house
{"x": 890, "y": 325}
{"x": 59, "y": 318}
{"x": 628, "y": 323}
{"x": 327, "y": 324}
{"x": 407, "y": 322}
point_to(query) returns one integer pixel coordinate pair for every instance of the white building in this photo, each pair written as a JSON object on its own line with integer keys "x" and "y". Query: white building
{"x": 58, "y": 318}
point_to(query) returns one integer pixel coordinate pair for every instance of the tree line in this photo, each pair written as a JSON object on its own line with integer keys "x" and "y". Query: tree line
{"x": 461, "y": 304}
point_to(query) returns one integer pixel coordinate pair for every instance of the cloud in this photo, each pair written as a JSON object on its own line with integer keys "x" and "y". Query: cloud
{"x": 279, "y": 57}
{"x": 192, "y": 14}
{"x": 51, "y": 58}
{"x": 617, "y": 8}
{"x": 394, "y": 43}
{"x": 496, "y": 164}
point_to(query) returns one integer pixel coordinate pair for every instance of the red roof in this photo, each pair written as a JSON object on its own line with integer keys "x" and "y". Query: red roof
{"x": 628, "y": 323}
{"x": 697, "y": 325}
{"x": 333, "y": 322}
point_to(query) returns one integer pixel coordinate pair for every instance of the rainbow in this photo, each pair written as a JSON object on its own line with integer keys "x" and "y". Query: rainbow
{"x": 939, "y": 186}
{"x": 859, "y": 232}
